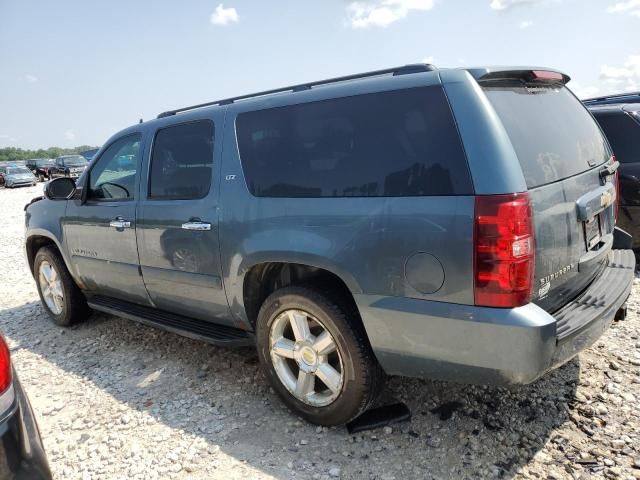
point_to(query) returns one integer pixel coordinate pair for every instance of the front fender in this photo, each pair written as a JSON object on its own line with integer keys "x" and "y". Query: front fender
{"x": 44, "y": 219}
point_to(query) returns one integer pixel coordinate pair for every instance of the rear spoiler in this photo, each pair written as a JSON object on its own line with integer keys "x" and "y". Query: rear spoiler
{"x": 535, "y": 75}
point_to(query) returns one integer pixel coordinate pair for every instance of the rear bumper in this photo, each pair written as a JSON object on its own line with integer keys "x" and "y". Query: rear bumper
{"x": 481, "y": 345}
{"x": 22, "y": 455}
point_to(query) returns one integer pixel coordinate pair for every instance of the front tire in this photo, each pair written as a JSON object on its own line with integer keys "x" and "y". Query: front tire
{"x": 315, "y": 353}
{"x": 60, "y": 296}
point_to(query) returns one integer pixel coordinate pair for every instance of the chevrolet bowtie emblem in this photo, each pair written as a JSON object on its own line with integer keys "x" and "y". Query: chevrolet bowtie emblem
{"x": 606, "y": 199}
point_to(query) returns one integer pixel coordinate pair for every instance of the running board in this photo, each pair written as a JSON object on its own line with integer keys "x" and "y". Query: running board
{"x": 214, "y": 333}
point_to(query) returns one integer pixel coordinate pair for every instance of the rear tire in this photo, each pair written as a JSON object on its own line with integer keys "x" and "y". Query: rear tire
{"x": 60, "y": 296}
{"x": 326, "y": 372}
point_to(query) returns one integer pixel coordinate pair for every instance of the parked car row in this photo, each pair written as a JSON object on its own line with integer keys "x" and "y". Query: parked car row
{"x": 456, "y": 224}
{"x": 41, "y": 169}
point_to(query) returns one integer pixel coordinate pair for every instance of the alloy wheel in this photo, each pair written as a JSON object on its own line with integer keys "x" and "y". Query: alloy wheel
{"x": 51, "y": 287}
{"x": 306, "y": 358}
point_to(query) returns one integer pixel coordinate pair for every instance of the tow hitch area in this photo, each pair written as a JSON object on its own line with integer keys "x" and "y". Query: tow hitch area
{"x": 380, "y": 417}
{"x": 621, "y": 314}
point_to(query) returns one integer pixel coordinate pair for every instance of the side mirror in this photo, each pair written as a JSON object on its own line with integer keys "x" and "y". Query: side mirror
{"x": 60, "y": 188}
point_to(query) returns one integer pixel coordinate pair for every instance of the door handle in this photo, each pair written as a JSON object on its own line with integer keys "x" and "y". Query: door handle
{"x": 197, "y": 226}
{"x": 120, "y": 223}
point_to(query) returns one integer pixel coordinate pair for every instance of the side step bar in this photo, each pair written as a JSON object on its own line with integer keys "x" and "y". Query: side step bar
{"x": 222, "y": 335}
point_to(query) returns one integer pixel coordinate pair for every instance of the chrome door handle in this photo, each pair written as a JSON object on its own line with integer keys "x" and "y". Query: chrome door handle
{"x": 120, "y": 223}
{"x": 198, "y": 226}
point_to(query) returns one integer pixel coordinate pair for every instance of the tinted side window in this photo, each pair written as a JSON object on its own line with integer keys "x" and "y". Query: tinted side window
{"x": 114, "y": 175}
{"x": 400, "y": 143}
{"x": 623, "y": 133}
{"x": 181, "y": 161}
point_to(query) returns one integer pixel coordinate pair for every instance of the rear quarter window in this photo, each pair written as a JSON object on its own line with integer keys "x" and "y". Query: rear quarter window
{"x": 399, "y": 143}
{"x": 553, "y": 135}
{"x": 623, "y": 133}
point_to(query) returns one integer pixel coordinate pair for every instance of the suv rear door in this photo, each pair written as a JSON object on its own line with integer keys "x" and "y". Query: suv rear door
{"x": 623, "y": 132}
{"x": 563, "y": 156}
{"x": 178, "y": 227}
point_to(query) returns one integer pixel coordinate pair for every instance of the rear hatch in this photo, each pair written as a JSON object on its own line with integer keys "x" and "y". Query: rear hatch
{"x": 570, "y": 176}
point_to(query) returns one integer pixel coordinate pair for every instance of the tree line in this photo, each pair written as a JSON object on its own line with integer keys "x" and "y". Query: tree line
{"x": 12, "y": 154}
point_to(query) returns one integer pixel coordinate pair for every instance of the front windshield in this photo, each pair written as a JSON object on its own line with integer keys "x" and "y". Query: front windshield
{"x": 76, "y": 161}
{"x": 18, "y": 170}
{"x": 41, "y": 163}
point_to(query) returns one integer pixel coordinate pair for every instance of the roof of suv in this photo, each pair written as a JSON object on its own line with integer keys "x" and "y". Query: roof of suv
{"x": 419, "y": 68}
{"x": 630, "y": 97}
{"x": 633, "y": 108}
{"x": 402, "y": 74}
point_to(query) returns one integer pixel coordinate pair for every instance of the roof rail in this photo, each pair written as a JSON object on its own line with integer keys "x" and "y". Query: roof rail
{"x": 406, "y": 69}
{"x": 617, "y": 98}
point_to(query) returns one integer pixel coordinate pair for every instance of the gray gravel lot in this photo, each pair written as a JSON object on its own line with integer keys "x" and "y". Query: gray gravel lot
{"x": 116, "y": 399}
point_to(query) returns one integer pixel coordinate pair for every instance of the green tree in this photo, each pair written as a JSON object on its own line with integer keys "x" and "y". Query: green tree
{"x": 13, "y": 154}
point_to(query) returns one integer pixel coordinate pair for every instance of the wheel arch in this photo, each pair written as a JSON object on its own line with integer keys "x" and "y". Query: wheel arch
{"x": 262, "y": 278}
{"x": 38, "y": 239}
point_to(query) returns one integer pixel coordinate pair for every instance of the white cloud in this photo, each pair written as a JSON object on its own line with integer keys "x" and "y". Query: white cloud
{"x": 70, "y": 134}
{"x": 583, "y": 92}
{"x": 632, "y": 7}
{"x": 429, "y": 59}
{"x": 30, "y": 78}
{"x": 625, "y": 77}
{"x": 526, "y": 24}
{"x": 224, "y": 16}
{"x": 382, "y": 13}
{"x": 506, "y": 4}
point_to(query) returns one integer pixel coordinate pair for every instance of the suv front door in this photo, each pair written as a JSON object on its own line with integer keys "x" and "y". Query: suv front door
{"x": 177, "y": 228}
{"x": 100, "y": 228}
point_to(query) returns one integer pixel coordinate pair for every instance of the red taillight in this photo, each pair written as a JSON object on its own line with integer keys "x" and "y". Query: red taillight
{"x": 5, "y": 366}
{"x": 617, "y": 205}
{"x": 504, "y": 250}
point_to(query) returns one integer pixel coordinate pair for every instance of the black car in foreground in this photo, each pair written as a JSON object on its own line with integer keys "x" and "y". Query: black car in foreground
{"x": 621, "y": 124}
{"x": 22, "y": 455}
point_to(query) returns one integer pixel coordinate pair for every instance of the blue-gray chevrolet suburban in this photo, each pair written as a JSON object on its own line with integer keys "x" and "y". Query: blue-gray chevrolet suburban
{"x": 455, "y": 224}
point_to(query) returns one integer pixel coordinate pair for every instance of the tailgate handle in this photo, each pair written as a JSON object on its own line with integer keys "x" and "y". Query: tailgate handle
{"x": 609, "y": 169}
{"x": 595, "y": 201}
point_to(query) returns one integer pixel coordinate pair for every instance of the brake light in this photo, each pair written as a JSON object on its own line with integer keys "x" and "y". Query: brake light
{"x": 504, "y": 250}
{"x": 546, "y": 76}
{"x": 5, "y": 366}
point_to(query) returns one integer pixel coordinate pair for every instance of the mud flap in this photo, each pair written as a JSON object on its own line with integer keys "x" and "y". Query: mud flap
{"x": 380, "y": 417}
{"x": 621, "y": 314}
{"x": 621, "y": 239}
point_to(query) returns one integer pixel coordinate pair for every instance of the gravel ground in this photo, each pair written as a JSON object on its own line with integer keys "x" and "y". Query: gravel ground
{"x": 116, "y": 399}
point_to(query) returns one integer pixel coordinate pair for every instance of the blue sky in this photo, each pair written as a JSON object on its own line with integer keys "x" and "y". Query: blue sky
{"x": 75, "y": 71}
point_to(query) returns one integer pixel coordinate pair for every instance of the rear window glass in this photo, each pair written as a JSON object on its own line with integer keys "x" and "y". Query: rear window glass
{"x": 623, "y": 133}
{"x": 400, "y": 143}
{"x": 553, "y": 135}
